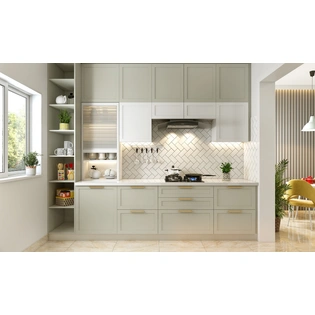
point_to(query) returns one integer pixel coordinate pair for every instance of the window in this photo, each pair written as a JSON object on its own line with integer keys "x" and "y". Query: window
{"x": 15, "y": 124}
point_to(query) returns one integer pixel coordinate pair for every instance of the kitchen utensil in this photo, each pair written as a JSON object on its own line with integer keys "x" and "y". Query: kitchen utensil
{"x": 61, "y": 99}
{"x": 173, "y": 178}
{"x": 94, "y": 173}
{"x": 67, "y": 144}
{"x": 60, "y": 151}
{"x": 92, "y": 156}
{"x": 173, "y": 171}
{"x": 112, "y": 156}
{"x": 152, "y": 158}
{"x": 101, "y": 156}
{"x": 195, "y": 177}
{"x": 137, "y": 153}
{"x": 110, "y": 174}
{"x": 69, "y": 151}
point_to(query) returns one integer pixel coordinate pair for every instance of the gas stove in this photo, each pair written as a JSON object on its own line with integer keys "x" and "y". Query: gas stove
{"x": 174, "y": 178}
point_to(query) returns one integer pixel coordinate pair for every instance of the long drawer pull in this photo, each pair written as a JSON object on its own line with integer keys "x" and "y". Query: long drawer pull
{"x": 185, "y": 187}
{"x": 235, "y": 211}
{"x": 235, "y": 187}
{"x": 96, "y": 187}
{"x": 185, "y": 211}
{"x": 137, "y": 187}
{"x": 185, "y": 199}
{"x": 137, "y": 211}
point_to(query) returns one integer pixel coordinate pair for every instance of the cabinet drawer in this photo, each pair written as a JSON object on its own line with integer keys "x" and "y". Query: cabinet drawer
{"x": 190, "y": 222}
{"x": 184, "y": 203}
{"x": 234, "y": 222}
{"x": 185, "y": 191}
{"x": 234, "y": 197}
{"x": 137, "y": 197}
{"x": 137, "y": 221}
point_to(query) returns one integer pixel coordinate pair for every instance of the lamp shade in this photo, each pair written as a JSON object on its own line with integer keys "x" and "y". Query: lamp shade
{"x": 310, "y": 126}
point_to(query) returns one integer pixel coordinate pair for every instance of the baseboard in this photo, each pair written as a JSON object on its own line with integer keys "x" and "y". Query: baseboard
{"x": 37, "y": 244}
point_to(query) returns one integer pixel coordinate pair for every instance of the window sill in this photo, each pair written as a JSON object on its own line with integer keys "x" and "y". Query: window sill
{"x": 17, "y": 178}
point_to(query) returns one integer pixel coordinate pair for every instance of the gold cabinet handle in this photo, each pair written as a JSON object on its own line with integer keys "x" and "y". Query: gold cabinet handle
{"x": 137, "y": 187}
{"x": 185, "y": 199}
{"x": 185, "y": 211}
{"x": 185, "y": 187}
{"x": 235, "y": 211}
{"x": 137, "y": 211}
{"x": 235, "y": 187}
{"x": 96, "y": 187}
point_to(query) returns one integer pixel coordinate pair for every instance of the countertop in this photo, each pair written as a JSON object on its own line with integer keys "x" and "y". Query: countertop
{"x": 161, "y": 182}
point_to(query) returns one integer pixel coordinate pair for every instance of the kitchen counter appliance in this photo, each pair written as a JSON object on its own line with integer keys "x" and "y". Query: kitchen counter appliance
{"x": 191, "y": 178}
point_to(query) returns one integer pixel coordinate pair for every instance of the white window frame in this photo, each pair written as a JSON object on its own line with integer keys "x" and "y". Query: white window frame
{"x": 8, "y": 87}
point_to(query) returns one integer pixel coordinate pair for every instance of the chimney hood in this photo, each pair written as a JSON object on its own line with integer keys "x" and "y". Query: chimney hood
{"x": 185, "y": 124}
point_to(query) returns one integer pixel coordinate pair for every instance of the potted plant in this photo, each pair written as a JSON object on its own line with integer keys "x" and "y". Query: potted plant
{"x": 281, "y": 187}
{"x": 226, "y": 169}
{"x": 64, "y": 119}
{"x": 30, "y": 161}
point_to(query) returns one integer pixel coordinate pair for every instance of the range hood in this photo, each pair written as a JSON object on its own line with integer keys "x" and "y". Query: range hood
{"x": 185, "y": 124}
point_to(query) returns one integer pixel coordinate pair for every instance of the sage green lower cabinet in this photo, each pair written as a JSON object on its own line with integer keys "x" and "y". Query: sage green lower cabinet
{"x": 234, "y": 221}
{"x": 137, "y": 221}
{"x": 96, "y": 212}
{"x": 186, "y": 221}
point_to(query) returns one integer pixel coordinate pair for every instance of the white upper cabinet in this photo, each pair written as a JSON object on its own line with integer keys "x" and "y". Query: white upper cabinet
{"x": 167, "y": 110}
{"x": 231, "y": 124}
{"x": 167, "y": 82}
{"x": 232, "y": 82}
{"x": 200, "y": 110}
{"x": 135, "y": 83}
{"x": 135, "y": 122}
{"x": 100, "y": 82}
{"x": 199, "y": 82}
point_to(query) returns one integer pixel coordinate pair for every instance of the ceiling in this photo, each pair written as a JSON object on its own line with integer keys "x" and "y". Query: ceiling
{"x": 298, "y": 77}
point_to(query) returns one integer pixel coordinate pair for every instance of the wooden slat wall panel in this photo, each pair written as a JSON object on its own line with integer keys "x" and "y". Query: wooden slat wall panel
{"x": 293, "y": 111}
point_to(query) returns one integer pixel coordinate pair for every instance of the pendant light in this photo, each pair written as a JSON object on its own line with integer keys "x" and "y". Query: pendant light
{"x": 310, "y": 126}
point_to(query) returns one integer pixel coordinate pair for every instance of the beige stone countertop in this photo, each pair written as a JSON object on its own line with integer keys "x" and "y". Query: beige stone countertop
{"x": 161, "y": 182}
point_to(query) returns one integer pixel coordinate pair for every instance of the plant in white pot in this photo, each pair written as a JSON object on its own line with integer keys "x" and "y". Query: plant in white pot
{"x": 226, "y": 169}
{"x": 30, "y": 161}
{"x": 64, "y": 119}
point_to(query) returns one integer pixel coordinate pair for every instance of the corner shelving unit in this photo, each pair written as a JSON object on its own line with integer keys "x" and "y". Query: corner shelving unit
{"x": 61, "y": 81}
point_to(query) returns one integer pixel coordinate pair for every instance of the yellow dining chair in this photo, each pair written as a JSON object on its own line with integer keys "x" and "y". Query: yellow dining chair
{"x": 300, "y": 189}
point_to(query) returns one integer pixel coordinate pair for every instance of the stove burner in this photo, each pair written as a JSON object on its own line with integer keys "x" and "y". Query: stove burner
{"x": 173, "y": 178}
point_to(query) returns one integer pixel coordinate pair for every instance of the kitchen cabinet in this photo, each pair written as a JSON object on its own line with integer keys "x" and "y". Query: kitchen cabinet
{"x": 235, "y": 210}
{"x": 96, "y": 211}
{"x": 135, "y": 83}
{"x": 232, "y": 83}
{"x": 185, "y": 221}
{"x": 135, "y": 122}
{"x": 199, "y": 82}
{"x": 186, "y": 203}
{"x": 137, "y": 198}
{"x": 186, "y": 191}
{"x": 100, "y": 83}
{"x": 167, "y": 110}
{"x": 167, "y": 82}
{"x": 231, "y": 123}
{"x": 137, "y": 221}
{"x": 198, "y": 110}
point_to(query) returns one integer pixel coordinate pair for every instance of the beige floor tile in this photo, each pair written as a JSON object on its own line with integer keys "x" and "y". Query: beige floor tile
{"x": 181, "y": 246}
{"x": 51, "y": 249}
{"x": 55, "y": 244}
{"x": 136, "y": 246}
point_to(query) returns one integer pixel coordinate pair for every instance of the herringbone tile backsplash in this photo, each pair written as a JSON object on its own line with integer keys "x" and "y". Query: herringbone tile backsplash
{"x": 190, "y": 150}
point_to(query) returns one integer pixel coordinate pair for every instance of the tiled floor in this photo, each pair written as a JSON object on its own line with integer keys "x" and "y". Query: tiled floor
{"x": 296, "y": 238}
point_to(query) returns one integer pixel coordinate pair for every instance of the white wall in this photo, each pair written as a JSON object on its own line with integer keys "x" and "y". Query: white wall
{"x": 23, "y": 203}
{"x": 263, "y": 79}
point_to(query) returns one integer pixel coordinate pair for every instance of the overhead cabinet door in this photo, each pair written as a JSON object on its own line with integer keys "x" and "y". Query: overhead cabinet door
{"x": 199, "y": 82}
{"x": 167, "y": 83}
{"x": 232, "y": 82}
{"x": 135, "y": 83}
{"x": 100, "y": 83}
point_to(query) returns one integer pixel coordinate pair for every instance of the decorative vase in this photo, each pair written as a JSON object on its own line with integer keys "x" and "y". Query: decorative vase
{"x": 226, "y": 176}
{"x": 30, "y": 170}
{"x": 63, "y": 126}
{"x": 277, "y": 226}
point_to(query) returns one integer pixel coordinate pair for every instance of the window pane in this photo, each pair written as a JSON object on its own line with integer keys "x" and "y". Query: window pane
{"x": 16, "y": 131}
{"x": 1, "y": 128}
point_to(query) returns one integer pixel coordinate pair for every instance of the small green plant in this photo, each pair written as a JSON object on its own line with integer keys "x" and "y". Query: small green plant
{"x": 64, "y": 116}
{"x": 281, "y": 187}
{"x": 30, "y": 159}
{"x": 226, "y": 167}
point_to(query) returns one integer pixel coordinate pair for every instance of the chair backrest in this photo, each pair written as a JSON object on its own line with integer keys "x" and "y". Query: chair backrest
{"x": 301, "y": 188}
